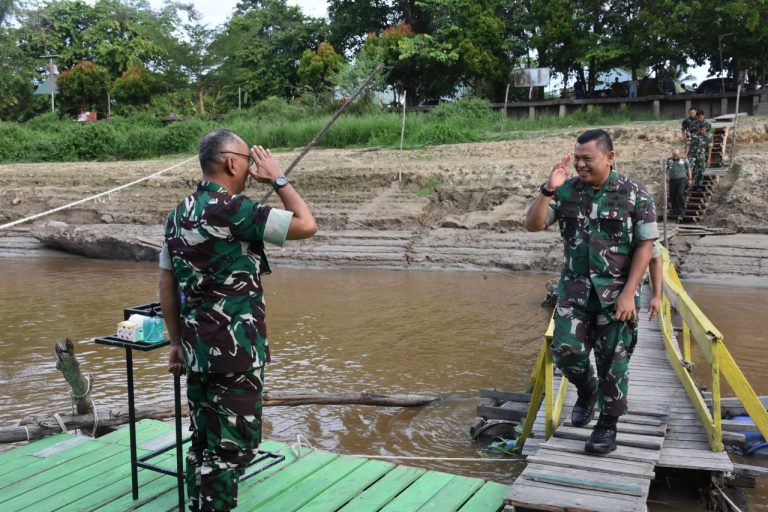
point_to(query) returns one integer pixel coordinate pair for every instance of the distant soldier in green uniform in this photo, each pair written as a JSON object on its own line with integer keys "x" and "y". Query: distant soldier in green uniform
{"x": 214, "y": 252}
{"x": 689, "y": 127}
{"x": 608, "y": 223}
{"x": 679, "y": 176}
{"x": 700, "y": 154}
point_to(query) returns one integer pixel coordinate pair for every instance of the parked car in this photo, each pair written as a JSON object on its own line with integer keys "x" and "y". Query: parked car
{"x": 713, "y": 85}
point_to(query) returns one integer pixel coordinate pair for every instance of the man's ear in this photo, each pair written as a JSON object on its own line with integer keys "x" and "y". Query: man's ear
{"x": 229, "y": 166}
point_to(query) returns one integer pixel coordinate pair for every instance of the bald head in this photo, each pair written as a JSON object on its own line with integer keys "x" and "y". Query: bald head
{"x": 675, "y": 154}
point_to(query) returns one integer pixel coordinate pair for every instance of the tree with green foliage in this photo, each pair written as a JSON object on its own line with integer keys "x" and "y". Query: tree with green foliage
{"x": 317, "y": 69}
{"x": 132, "y": 88}
{"x": 352, "y": 20}
{"x": 84, "y": 88}
{"x": 263, "y": 44}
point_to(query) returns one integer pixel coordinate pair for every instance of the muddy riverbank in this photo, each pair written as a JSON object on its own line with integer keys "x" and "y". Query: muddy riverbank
{"x": 443, "y": 207}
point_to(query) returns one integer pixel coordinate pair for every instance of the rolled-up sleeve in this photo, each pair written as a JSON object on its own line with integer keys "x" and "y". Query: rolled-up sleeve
{"x": 276, "y": 228}
{"x": 165, "y": 262}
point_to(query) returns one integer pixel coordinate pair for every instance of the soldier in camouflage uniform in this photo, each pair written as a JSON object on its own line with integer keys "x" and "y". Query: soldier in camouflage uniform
{"x": 688, "y": 128}
{"x": 608, "y": 224}
{"x": 700, "y": 154}
{"x": 214, "y": 253}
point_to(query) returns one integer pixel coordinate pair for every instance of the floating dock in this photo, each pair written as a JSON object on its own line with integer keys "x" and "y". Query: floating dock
{"x": 65, "y": 472}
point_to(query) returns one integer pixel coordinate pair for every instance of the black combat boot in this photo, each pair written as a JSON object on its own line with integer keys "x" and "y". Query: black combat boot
{"x": 603, "y": 438}
{"x": 584, "y": 409}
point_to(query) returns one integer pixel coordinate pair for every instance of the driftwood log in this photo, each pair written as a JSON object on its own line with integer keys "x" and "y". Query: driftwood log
{"x": 67, "y": 363}
{"x": 35, "y": 427}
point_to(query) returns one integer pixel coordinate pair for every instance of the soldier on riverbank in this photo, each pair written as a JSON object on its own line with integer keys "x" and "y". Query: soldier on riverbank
{"x": 688, "y": 128}
{"x": 679, "y": 176}
{"x": 214, "y": 251}
{"x": 608, "y": 223}
{"x": 700, "y": 154}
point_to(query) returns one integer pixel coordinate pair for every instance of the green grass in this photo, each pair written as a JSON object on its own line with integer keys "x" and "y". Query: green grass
{"x": 275, "y": 124}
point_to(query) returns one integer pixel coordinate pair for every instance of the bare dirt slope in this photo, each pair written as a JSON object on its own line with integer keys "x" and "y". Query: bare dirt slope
{"x": 458, "y": 206}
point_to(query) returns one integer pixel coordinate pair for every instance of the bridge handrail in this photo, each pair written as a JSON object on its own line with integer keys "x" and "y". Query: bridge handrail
{"x": 696, "y": 325}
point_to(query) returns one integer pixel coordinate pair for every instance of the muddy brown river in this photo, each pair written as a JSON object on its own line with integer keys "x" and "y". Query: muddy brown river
{"x": 439, "y": 333}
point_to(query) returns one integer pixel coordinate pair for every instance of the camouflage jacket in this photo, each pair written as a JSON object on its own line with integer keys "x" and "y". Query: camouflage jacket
{"x": 215, "y": 241}
{"x": 599, "y": 230}
{"x": 690, "y": 126}
{"x": 677, "y": 169}
{"x": 700, "y": 144}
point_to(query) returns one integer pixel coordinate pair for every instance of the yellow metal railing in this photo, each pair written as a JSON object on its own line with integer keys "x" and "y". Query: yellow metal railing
{"x": 696, "y": 326}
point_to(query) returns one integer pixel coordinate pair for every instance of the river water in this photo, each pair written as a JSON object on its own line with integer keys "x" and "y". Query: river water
{"x": 437, "y": 333}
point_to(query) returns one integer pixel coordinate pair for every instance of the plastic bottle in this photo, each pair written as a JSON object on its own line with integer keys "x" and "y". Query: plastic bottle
{"x": 153, "y": 328}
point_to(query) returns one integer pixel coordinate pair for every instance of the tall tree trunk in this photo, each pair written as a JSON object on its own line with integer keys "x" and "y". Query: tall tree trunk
{"x": 201, "y": 99}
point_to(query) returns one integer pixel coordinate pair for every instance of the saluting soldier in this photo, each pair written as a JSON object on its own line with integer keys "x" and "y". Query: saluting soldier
{"x": 214, "y": 251}
{"x": 608, "y": 223}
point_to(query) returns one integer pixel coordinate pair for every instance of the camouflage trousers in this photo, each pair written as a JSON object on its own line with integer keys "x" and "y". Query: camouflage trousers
{"x": 699, "y": 162}
{"x": 225, "y": 411}
{"x": 578, "y": 331}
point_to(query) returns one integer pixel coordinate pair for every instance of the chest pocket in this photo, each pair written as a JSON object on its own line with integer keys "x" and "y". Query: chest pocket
{"x": 570, "y": 221}
{"x": 615, "y": 225}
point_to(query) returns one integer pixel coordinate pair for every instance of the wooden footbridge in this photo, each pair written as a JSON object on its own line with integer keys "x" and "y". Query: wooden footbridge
{"x": 668, "y": 424}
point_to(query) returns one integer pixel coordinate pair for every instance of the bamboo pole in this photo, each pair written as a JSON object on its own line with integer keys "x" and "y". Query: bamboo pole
{"x": 327, "y": 126}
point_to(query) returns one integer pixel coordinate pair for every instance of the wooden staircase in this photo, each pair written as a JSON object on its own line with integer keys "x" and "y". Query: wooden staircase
{"x": 697, "y": 201}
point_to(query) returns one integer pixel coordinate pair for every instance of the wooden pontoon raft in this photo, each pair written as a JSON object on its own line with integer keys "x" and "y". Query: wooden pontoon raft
{"x": 65, "y": 472}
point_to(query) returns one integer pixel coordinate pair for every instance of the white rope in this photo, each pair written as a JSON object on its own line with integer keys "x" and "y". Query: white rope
{"x": 449, "y": 459}
{"x": 296, "y": 447}
{"x": 95, "y": 196}
{"x": 89, "y": 378}
{"x": 727, "y": 499}
{"x": 95, "y": 418}
{"x": 62, "y": 426}
{"x": 27, "y": 431}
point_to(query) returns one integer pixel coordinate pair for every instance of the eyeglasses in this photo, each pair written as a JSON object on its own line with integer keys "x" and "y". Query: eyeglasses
{"x": 251, "y": 161}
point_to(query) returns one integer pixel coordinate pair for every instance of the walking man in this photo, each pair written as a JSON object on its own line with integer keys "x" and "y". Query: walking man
{"x": 679, "y": 175}
{"x": 688, "y": 128}
{"x": 700, "y": 154}
{"x": 214, "y": 253}
{"x": 608, "y": 223}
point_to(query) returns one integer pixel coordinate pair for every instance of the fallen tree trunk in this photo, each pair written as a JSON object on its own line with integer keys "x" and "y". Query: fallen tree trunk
{"x": 35, "y": 427}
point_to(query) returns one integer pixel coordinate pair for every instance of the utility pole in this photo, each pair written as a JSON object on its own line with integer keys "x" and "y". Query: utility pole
{"x": 53, "y": 72}
{"x": 720, "y": 46}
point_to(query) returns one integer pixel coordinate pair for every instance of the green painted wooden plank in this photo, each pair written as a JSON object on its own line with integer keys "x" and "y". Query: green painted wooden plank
{"x": 353, "y": 484}
{"x": 33, "y": 446}
{"x": 490, "y": 498}
{"x": 453, "y": 495}
{"x": 145, "y": 431}
{"x": 105, "y": 494}
{"x": 29, "y": 466}
{"x": 25, "y": 468}
{"x": 46, "y": 483}
{"x": 306, "y": 489}
{"x": 383, "y": 491}
{"x": 419, "y": 492}
{"x": 86, "y": 482}
{"x": 260, "y": 492}
{"x": 168, "y": 499}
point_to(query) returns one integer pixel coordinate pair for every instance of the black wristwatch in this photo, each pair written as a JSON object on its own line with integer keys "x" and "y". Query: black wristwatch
{"x": 544, "y": 191}
{"x": 280, "y": 182}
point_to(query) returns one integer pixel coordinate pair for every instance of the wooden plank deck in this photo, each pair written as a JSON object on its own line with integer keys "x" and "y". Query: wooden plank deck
{"x": 661, "y": 429}
{"x": 74, "y": 473}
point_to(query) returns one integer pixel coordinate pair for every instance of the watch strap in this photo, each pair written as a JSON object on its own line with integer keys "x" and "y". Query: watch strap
{"x": 544, "y": 191}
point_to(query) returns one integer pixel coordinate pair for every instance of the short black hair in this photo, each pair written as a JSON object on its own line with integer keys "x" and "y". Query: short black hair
{"x": 699, "y": 112}
{"x": 602, "y": 137}
{"x": 211, "y": 145}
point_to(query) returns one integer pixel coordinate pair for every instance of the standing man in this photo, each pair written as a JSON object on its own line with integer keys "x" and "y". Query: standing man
{"x": 679, "y": 175}
{"x": 608, "y": 224}
{"x": 214, "y": 252}
{"x": 688, "y": 129}
{"x": 700, "y": 153}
